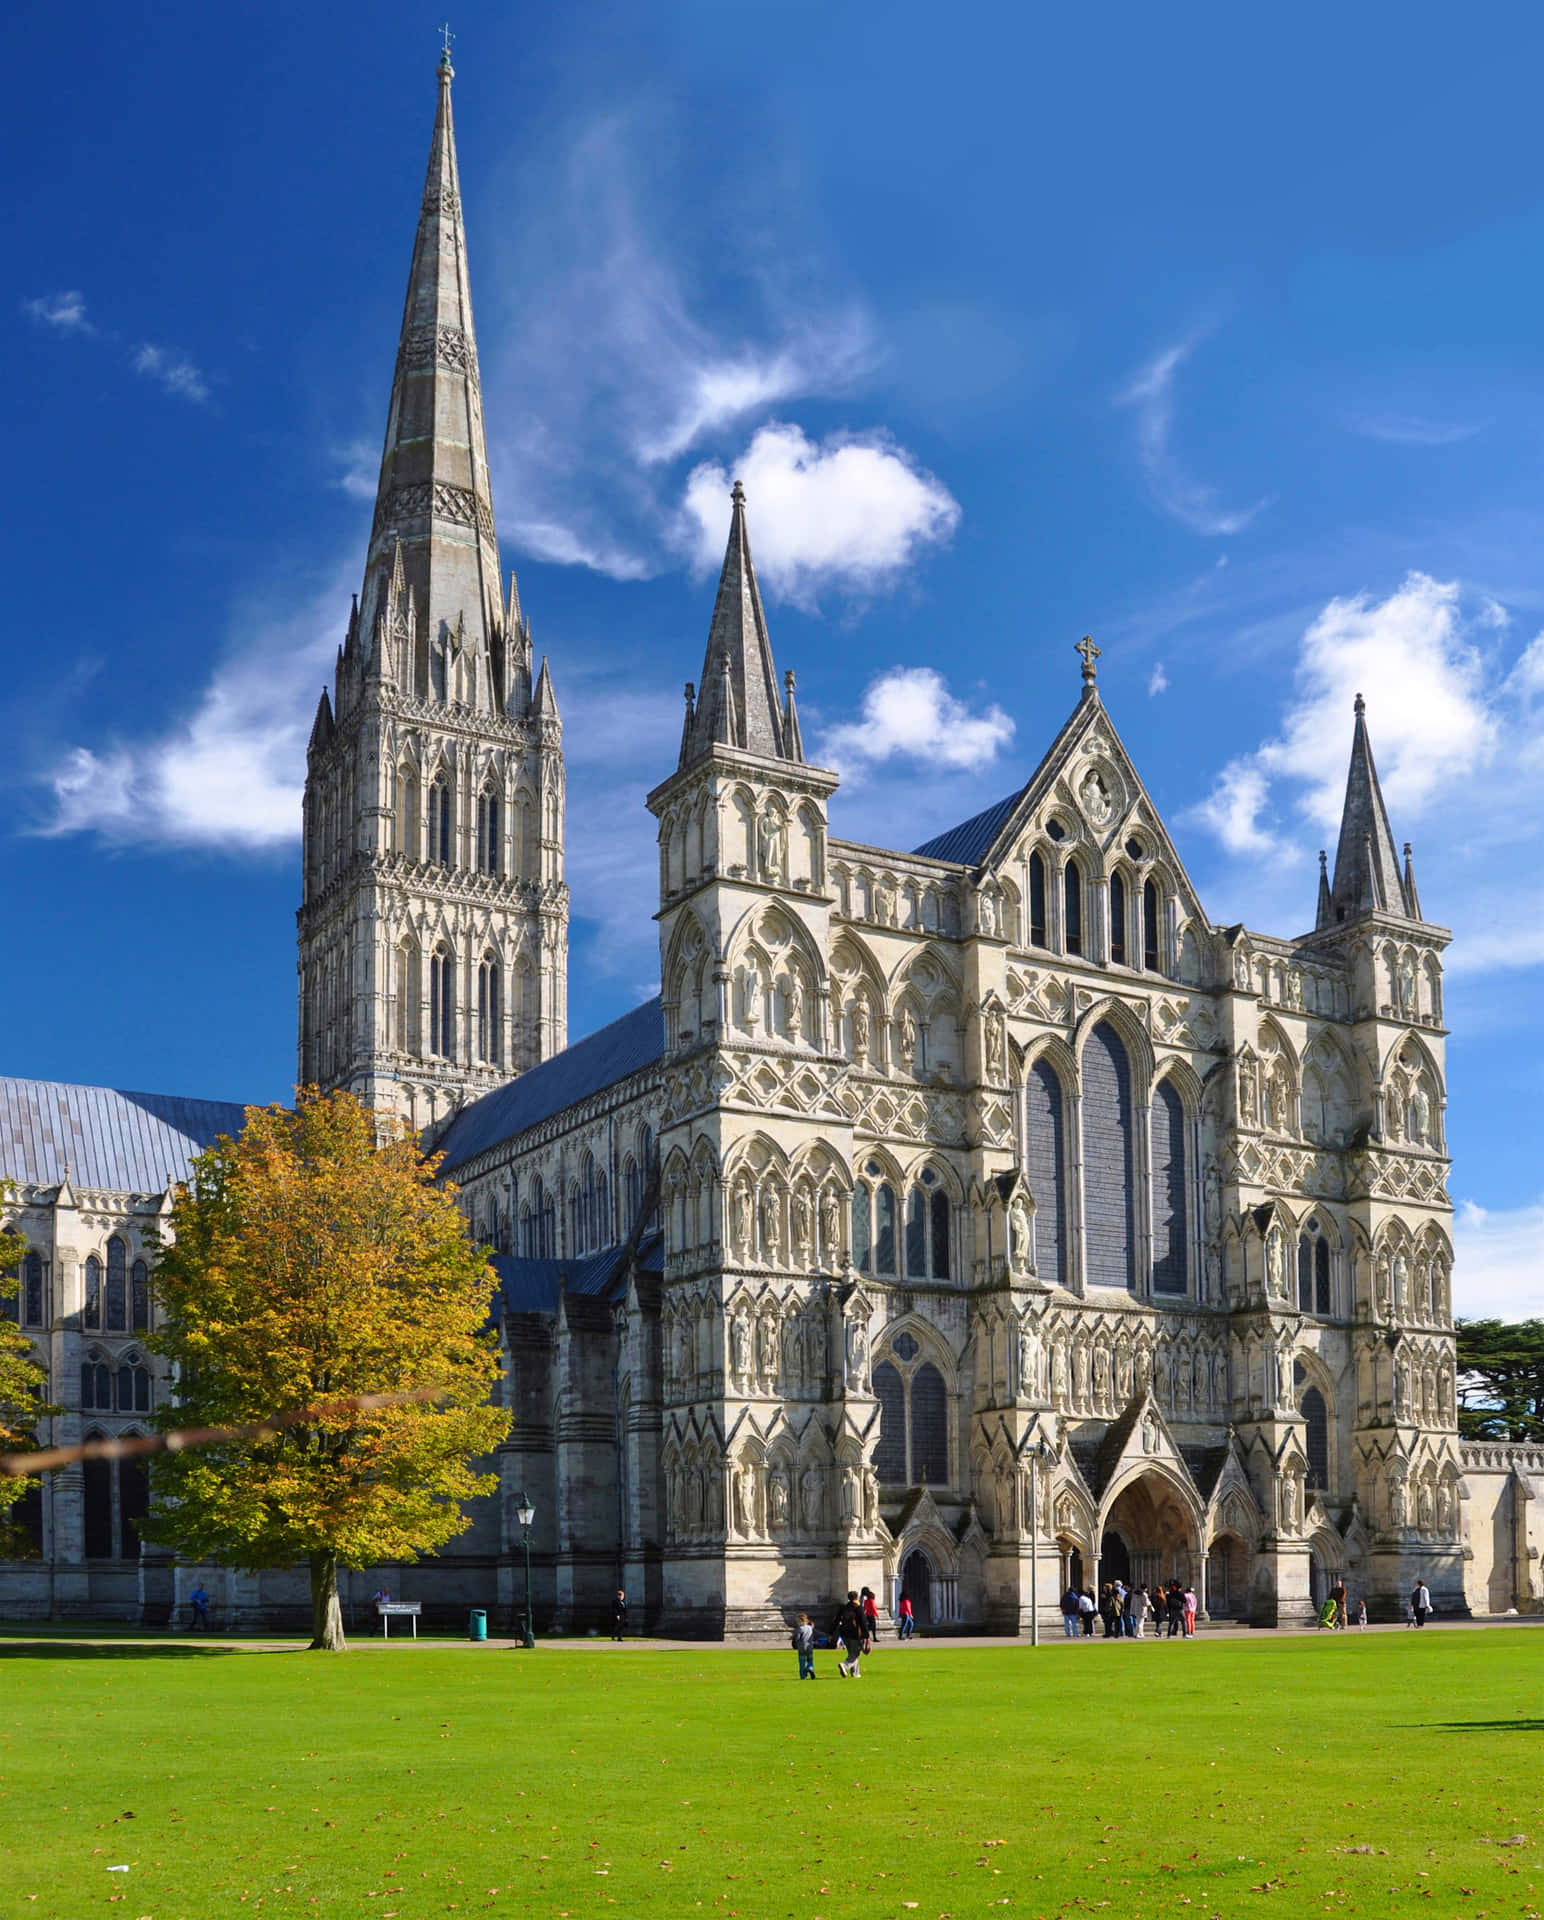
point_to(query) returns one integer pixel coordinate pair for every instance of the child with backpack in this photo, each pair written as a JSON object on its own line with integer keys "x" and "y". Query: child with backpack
{"x": 803, "y": 1644}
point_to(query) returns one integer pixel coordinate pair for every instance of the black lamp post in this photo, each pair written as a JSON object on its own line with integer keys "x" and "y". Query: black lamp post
{"x": 526, "y": 1513}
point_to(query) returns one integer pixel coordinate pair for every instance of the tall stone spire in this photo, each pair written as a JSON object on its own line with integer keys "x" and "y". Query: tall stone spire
{"x": 434, "y": 496}
{"x": 738, "y": 705}
{"x": 1367, "y": 877}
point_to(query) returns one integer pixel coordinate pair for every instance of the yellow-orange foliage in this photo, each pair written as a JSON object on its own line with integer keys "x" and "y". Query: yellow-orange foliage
{"x": 315, "y": 1258}
{"x": 21, "y": 1381}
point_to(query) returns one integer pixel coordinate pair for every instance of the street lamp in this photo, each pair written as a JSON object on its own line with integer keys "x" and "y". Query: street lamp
{"x": 1038, "y": 1452}
{"x": 525, "y": 1513}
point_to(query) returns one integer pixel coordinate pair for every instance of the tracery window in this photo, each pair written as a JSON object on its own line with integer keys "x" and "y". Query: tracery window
{"x": 1108, "y": 1161}
{"x": 439, "y": 822}
{"x": 1316, "y": 1439}
{"x": 91, "y": 1312}
{"x": 1117, "y": 920}
{"x": 489, "y": 823}
{"x": 1072, "y": 908}
{"x": 96, "y": 1386}
{"x": 442, "y": 1003}
{"x": 927, "y": 1228}
{"x": 875, "y": 1242}
{"x": 1171, "y": 1181}
{"x": 1036, "y": 901}
{"x": 1313, "y": 1269}
{"x": 913, "y": 1448}
{"x": 490, "y": 1010}
{"x": 32, "y": 1302}
{"x": 1045, "y": 1168}
{"x": 1150, "y": 927}
{"x": 117, "y": 1286}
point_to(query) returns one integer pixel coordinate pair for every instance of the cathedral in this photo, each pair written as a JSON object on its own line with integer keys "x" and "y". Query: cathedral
{"x": 962, "y": 1222}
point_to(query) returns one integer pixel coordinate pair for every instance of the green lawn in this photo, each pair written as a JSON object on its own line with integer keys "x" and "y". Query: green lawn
{"x": 1375, "y": 1774}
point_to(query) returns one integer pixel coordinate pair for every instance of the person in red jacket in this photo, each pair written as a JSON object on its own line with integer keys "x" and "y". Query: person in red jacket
{"x": 870, "y": 1619}
{"x": 908, "y": 1620}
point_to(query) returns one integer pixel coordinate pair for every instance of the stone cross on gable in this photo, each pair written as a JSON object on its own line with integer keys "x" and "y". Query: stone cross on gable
{"x": 1089, "y": 654}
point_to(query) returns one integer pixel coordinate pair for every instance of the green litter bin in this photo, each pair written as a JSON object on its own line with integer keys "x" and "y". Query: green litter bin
{"x": 477, "y": 1624}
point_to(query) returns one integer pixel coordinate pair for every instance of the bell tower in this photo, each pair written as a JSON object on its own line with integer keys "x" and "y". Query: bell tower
{"x": 433, "y": 930}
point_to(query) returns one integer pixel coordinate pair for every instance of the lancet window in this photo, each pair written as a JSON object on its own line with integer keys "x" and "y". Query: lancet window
{"x": 1045, "y": 1168}
{"x": 1117, "y": 920}
{"x": 117, "y": 1286}
{"x": 1109, "y": 1190}
{"x": 1072, "y": 908}
{"x": 913, "y": 1447}
{"x": 442, "y": 1003}
{"x": 1313, "y": 1270}
{"x": 1037, "y": 923}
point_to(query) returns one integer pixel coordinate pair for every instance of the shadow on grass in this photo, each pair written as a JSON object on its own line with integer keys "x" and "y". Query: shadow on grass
{"x": 1483, "y": 1726}
{"x": 126, "y": 1650}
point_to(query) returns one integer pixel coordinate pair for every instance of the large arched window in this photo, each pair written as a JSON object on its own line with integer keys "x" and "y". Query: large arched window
{"x": 1117, "y": 920}
{"x": 1109, "y": 1195}
{"x": 1150, "y": 927}
{"x": 1036, "y": 901}
{"x": 875, "y": 1223}
{"x": 409, "y": 994}
{"x": 91, "y": 1313}
{"x": 927, "y": 1228}
{"x": 440, "y": 822}
{"x": 442, "y": 1003}
{"x": 1045, "y": 1168}
{"x": 489, "y": 832}
{"x": 133, "y": 1394}
{"x": 33, "y": 1305}
{"x": 1171, "y": 1240}
{"x": 1072, "y": 908}
{"x": 97, "y": 1506}
{"x": 117, "y": 1286}
{"x": 1313, "y": 1269}
{"x": 913, "y": 1445}
{"x": 1316, "y": 1441}
{"x": 490, "y": 1010}
{"x": 407, "y": 811}
{"x": 139, "y": 1296}
{"x": 96, "y": 1385}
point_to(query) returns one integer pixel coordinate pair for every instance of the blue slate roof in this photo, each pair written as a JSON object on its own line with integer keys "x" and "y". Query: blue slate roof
{"x": 531, "y": 1286}
{"x": 969, "y": 842}
{"x": 599, "y": 1060}
{"x": 119, "y": 1142}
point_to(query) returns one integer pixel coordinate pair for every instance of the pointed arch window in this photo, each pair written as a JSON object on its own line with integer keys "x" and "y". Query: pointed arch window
{"x": 408, "y": 998}
{"x": 117, "y": 1286}
{"x": 1313, "y": 1270}
{"x": 1117, "y": 920}
{"x": 489, "y": 832}
{"x": 1045, "y": 1168}
{"x": 1036, "y": 901}
{"x": 1171, "y": 1242}
{"x": 1316, "y": 1440}
{"x": 890, "y": 1454}
{"x": 407, "y": 811}
{"x": 96, "y": 1386}
{"x": 33, "y": 1304}
{"x": 1150, "y": 927}
{"x": 91, "y": 1312}
{"x": 884, "y": 1228}
{"x": 862, "y": 1228}
{"x": 927, "y": 1228}
{"x": 442, "y": 1003}
{"x": 1072, "y": 907}
{"x": 913, "y": 1401}
{"x": 440, "y": 822}
{"x": 139, "y": 1297}
{"x": 1109, "y": 1198}
{"x": 490, "y": 1011}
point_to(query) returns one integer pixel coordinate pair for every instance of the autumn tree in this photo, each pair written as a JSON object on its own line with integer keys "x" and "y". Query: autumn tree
{"x": 315, "y": 1259}
{"x": 21, "y": 1391}
{"x": 1501, "y": 1379}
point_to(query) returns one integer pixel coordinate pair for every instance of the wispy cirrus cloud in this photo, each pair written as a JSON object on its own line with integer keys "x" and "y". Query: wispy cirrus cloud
{"x": 1413, "y": 430}
{"x": 1149, "y": 393}
{"x": 643, "y": 356}
{"x": 170, "y": 368}
{"x": 1496, "y": 1265}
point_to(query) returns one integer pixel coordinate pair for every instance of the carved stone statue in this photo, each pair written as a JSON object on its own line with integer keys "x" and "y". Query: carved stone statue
{"x": 803, "y": 1229}
{"x": 1241, "y": 978}
{"x": 766, "y": 1346}
{"x": 1425, "y": 1507}
{"x": 739, "y": 1347}
{"x": 1027, "y": 1367}
{"x": 1102, "y": 1377}
{"x": 1398, "y": 1508}
{"x": 1444, "y": 1507}
{"x": 752, "y": 991}
{"x": 810, "y": 1501}
{"x": 1420, "y": 1117}
{"x": 1406, "y": 986}
{"x": 744, "y": 1480}
{"x": 870, "y": 1499}
{"x": 1401, "y": 1282}
{"x": 771, "y": 1227}
{"x": 884, "y": 904}
{"x": 744, "y": 1224}
{"x": 996, "y": 1050}
{"x": 1291, "y": 1503}
{"x": 1018, "y": 1235}
{"x": 987, "y": 914}
{"x": 908, "y": 1040}
{"x": 1275, "y": 1267}
{"x": 794, "y": 1000}
{"x": 1095, "y": 795}
{"x": 860, "y": 1027}
{"x": 847, "y": 1495}
{"x": 1059, "y": 1374}
{"x": 857, "y": 1354}
{"x": 831, "y": 1228}
{"x": 1246, "y": 1092}
{"x": 777, "y": 1501}
{"x": 771, "y": 847}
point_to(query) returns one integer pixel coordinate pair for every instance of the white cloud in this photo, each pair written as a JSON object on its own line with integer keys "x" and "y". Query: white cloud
{"x": 230, "y": 773}
{"x": 359, "y": 469}
{"x": 1413, "y": 430}
{"x": 909, "y": 712}
{"x": 1232, "y": 809}
{"x": 851, "y": 511}
{"x": 639, "y": 356}
{"x": 172, "y": 369}
{"x": 64, "y": 312}
{"x": 1150, "y": 395}
{"x": 1498, "y": 1267}
{"x": 1157, "y": 681}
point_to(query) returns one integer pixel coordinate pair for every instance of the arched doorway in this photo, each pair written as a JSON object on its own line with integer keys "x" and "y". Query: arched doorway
{"x": 1227, "y": 1578}
{"x": 1152, "y": 1533}
{"x": 917, "y": 1582}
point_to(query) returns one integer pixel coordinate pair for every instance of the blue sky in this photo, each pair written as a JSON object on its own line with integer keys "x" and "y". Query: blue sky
{"x": 1221, "y": 337}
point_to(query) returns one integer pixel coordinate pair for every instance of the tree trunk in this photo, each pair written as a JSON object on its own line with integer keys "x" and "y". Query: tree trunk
{"x": 326, "y": 1614}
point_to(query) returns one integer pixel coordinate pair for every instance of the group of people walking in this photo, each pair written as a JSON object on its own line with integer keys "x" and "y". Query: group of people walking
{"x": 854, "y": 1630}
{"x": 1125, "y": 1611}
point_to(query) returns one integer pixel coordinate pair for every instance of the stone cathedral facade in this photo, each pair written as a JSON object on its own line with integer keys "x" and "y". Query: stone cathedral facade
{"x": 961, "y": 1221}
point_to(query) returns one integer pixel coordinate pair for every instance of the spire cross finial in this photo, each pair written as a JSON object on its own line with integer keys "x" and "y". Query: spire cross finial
{"x": 447, "y": 36}
{"x": 1089, "y": 653}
